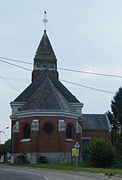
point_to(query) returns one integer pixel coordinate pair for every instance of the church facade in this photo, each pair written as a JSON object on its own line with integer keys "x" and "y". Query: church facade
{"x": 47, "y": 119}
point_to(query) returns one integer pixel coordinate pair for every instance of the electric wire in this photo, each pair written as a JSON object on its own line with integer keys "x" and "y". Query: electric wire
{"x": 92, "y": 73}
{"x": 66, "y": 69}
{"x": 9, "y": 83}
{"x": 15, "y": 65}
{"x": 84, "y": 86}
{"x": 88, "y": 87}
{"x": 15, "y": 60}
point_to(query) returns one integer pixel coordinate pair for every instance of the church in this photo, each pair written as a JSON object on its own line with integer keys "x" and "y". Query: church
{"x": 47, "y": 119}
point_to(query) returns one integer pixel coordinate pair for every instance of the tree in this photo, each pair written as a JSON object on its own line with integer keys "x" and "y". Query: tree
{"x": 116, "y": 121}
{"x": 100, "y": 152}
{"x": 7, "y": 146}
{"x": 1, "y": 150}
{"x": 115, "y": 132}
{"x": 116, "y": 107}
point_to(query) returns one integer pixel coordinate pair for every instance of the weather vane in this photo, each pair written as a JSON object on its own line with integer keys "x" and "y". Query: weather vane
{"x": 45, "y": 21}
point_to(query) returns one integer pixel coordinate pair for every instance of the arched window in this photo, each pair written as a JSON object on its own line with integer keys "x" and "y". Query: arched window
{"x": 26, "y": 131}
{"x": 69, "y": 129}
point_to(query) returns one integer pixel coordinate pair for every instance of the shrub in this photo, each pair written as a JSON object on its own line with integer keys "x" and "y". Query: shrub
{"x": 118, "y": 162}
{"x": 100, "y": 152}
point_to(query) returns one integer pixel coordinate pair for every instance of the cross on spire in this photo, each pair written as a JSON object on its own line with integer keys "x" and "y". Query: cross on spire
{"x": 45, "y": 21}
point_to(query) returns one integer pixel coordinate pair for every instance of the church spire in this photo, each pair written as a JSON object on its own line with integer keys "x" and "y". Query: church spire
{"x": 45, "y": 57}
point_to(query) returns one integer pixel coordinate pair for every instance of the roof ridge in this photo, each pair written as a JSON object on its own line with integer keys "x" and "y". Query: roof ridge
{"x": 58, "y": 94}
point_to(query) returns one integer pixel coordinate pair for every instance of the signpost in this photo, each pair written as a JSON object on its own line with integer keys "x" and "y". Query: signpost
{"x": 75, "y": 152}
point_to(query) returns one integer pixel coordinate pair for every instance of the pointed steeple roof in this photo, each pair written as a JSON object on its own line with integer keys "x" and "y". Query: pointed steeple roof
{"x": 45, "y": 49}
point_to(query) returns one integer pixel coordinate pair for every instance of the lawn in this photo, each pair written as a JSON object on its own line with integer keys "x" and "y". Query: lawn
{"x": 83, "y": 167}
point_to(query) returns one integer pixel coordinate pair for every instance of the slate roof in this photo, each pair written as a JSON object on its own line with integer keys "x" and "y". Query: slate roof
{"x": 45, "y": 49}
{"x": 94, "y": 122}
{"x": 47, "y": 97}
{"x": 36, "y": 84}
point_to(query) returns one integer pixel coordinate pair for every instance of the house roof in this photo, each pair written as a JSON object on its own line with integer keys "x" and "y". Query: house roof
{"x": 47, "y": 97}
{"x": 36, "y": 84}
{"x": 45, "y": 50}
{"x": 95, "y": 122}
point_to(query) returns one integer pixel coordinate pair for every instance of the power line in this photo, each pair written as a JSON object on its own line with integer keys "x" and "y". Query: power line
{"x": 65, "y": 69}
{"x": 15, "y": 65}
{"x": 15, "y": 60}
{"x": 84, "y": 86}
{"x": 93, "y": 73}
{"x": 88, "y": 87}
{"x": 9, "y": 83}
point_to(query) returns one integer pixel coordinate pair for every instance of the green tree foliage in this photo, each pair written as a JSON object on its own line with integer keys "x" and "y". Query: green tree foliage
{"x": 116, "y": 121}
{"x": 115, "y": 132}
{"x": 7, "y": 146}
{"x": 101, "y": 153}
{"x": 1, "y": 150}
{"x": 116, "y": 107}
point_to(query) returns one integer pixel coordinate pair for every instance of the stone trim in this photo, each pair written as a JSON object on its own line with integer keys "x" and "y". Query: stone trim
{"x": 25, "y": 140}
{"x": 70, "y": 140}
{"x": 24, "y": 114}
{"x": 17, "y": 103}
{"x": 77, "y": 104}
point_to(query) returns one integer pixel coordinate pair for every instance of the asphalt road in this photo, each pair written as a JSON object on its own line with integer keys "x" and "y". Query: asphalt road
{"x": 18, "y": 173}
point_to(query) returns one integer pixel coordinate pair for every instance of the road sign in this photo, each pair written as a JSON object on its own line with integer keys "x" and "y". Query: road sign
{"x": 73, "y": 152}
{"x": 77, "y": 145}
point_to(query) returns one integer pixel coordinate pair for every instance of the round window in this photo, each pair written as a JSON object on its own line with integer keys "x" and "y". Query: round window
{"x": 48, "y": 127}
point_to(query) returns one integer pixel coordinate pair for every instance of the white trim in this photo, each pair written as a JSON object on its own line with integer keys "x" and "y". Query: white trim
{"x": 108, "y": 122}
{"x": 17, "y": 103}
{"x": 77, "y": 104}
{"x": 25, "y": 140}
{"x": 69, "y": 140}
{"x": 37, "y": 112}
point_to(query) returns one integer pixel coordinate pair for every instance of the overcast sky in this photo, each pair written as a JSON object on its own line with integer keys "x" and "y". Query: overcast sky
{"x": 85, "y": 34}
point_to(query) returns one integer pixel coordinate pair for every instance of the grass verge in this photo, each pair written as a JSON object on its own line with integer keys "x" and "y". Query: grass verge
{"x": 83, "y": 167}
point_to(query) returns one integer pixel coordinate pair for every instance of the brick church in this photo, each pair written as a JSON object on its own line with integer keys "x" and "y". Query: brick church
{"x": 47, "y": 118}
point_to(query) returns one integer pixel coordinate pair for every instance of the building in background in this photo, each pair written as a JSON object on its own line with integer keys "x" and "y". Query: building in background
{"x": 47, "y": 118}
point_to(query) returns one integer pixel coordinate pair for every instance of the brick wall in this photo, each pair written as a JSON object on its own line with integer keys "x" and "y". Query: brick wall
{"x": 41, "y": 141}
{"x": 93, "y": 134}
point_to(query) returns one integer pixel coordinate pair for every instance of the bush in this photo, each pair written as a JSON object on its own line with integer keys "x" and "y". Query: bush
{"x": 100, "y": 152}
{"x": 118, "y": 163}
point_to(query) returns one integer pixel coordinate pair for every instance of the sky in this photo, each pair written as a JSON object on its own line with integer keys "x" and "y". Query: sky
{"x": 86, "y": 35}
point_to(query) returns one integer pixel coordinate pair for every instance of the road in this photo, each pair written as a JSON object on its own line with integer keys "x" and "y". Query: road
{"x": 19, "y": 173}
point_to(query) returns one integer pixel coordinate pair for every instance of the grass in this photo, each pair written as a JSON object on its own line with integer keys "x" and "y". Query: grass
{"x": 83, "y": 167}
